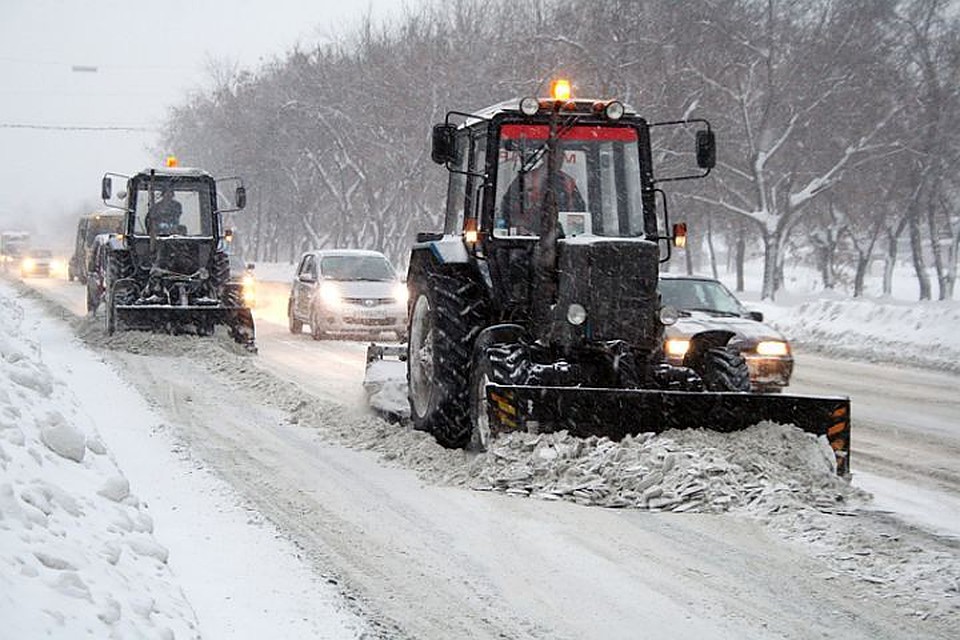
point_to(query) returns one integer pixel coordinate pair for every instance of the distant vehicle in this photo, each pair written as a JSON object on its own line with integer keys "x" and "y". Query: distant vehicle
{"x": 706, "y": 305}
{"x": 347, "y": 292}
{"x": 88, "y": 228}
{"x": 13, "y": 245}
{"x": 37, "y": 263}
{"x": 169, "y": 270}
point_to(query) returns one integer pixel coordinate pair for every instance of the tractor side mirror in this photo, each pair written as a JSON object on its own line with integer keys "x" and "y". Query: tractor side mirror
{"x": 706, "y": 149}
{"x": 106, "y": 188}
{"x": 307, "y": 277}
{"x": 241, "y": 197}
{"x": 444, "y": 144}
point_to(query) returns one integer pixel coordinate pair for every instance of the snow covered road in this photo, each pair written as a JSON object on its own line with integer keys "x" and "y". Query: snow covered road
{"x": 423, "y": 557}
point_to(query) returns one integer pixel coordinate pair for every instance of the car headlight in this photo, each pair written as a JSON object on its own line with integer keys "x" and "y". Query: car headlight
{"x": 677, "y": 347}
{"x": 330, "y": 295}
{"x": 249, "y": 290}
{"x": 401, "y": 293}
{"x": 772, "y": 348}
{"x": 28, "y": 264}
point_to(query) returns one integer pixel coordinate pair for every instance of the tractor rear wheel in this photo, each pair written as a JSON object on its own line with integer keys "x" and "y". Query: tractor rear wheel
{"x": 724, "y": 369}
{"x": 447, "y": 315}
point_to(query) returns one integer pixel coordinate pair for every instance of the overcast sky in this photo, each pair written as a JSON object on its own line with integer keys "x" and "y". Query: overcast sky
{"x": 148, "y": 57}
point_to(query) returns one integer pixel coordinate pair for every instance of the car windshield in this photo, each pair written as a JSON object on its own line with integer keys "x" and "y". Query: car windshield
{"x": 699, "y": 295}
{"x": 41, "y": 253}
{"x": 357, "y": 268}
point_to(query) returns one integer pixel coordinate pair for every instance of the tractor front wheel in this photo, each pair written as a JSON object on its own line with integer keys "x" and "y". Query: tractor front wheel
{"x": 724, "y": 369}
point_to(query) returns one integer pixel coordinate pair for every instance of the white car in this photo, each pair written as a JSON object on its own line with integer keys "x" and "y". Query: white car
{"x": 347, "y": 292}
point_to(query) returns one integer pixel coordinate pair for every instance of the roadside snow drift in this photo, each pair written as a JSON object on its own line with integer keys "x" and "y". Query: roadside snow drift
{"x": 74, "y": 542}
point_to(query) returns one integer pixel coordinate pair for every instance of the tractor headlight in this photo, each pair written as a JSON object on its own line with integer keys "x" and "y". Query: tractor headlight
{"x": 669, "y": 315}
{"x": 614, "y": 110}
{"x": 529, "y": 106}
{"x": 772, "y": 348}
{"x": 677, "y": 347}
{"x": 576, "y": 314}
{"x": 330, "y": 295}
{"x": 400, "y": 293}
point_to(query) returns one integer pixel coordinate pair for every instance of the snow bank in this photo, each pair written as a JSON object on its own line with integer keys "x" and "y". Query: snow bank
{"x": 910, "y": 333}
{"x": 72, "y": 536}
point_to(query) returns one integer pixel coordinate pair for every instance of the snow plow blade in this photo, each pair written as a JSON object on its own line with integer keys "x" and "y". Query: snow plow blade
{"x": 615, "y": 413}
{"x": 197, "y": 319}
{"x": 385, "y": 381}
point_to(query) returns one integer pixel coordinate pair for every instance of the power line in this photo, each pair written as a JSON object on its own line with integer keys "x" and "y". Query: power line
{"x": 57, "y": 127}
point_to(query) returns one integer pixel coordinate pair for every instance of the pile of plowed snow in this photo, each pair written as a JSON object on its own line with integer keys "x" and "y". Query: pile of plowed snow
{"x": 72, "y": 535}
{"x": 763, "y": 468}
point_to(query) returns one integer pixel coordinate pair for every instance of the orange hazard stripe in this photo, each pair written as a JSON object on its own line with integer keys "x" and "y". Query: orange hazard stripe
{"x": 504, "y": 404}
{"x": 840, "y": 427}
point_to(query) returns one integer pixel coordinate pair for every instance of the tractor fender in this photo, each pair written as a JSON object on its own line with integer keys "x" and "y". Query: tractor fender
{"x": 115, "y": 241}
{"x": 446, "y": 248}
{"x": 507, "y": 332}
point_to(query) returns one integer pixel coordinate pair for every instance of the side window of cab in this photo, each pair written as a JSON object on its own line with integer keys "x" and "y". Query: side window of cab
{"x": 465, "y": 177}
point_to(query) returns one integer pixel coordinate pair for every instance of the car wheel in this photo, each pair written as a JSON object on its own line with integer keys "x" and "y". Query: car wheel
{"x": 295, "y": 326}
{"x": 316, "y": 330}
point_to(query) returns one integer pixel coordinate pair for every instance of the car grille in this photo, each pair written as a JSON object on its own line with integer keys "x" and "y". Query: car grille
{"x": 369, "y": 302}
{"x": 371, "y": 322}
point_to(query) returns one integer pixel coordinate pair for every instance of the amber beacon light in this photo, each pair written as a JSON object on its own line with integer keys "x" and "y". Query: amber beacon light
{"x": 561, "y": 90}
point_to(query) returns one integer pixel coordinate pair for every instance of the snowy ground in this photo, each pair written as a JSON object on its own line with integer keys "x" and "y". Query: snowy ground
{"x": 62, "y": 522}
{"x": 77, "y": 545}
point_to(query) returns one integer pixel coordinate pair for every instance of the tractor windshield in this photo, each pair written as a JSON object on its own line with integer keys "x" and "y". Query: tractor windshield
{"x": 597, "y": 185}
{"x": 166, "y": 208}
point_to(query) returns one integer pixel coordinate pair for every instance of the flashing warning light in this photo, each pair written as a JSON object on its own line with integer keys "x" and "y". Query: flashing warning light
{"x": 171, "y": 161}
{"x": 561, "y": 90}
{"x": 470, "y": 233}
{"x": 680, "y": 235}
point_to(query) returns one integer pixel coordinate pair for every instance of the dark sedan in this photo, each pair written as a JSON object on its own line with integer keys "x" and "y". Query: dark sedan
{"x": 704, "y": 305}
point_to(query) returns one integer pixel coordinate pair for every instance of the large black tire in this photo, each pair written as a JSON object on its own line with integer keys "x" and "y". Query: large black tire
{"x": 724, "y": 369}
{"x": 93, "y": 298}
{"x": 294, "y": 324}
{"x": 499, "y": 364}
{"x": 447, "y": 313}
{"x": 118, "y": 266}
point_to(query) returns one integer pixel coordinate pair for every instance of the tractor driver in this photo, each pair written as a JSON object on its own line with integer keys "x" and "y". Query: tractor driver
{"x": 164, "y": 216}
{"x": 526, "y": 218}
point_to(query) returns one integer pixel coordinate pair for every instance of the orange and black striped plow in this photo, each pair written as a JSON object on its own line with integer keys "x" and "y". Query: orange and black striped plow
{"x": 615, "y": 413}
